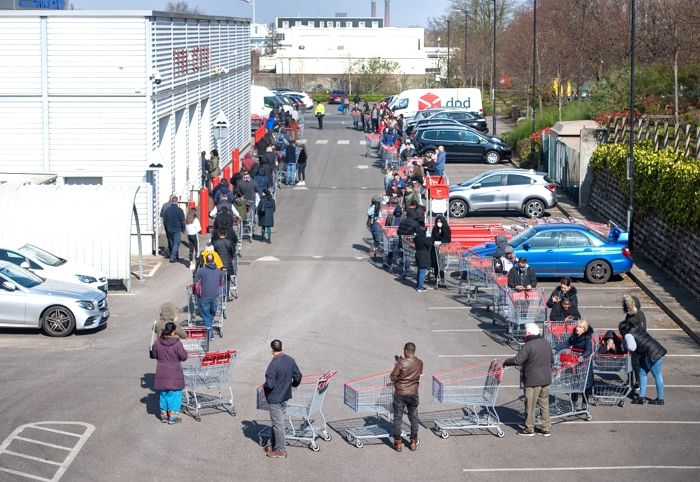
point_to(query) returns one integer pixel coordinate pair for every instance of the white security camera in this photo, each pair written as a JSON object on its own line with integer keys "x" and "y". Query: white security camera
{"x": 156, "y": 77}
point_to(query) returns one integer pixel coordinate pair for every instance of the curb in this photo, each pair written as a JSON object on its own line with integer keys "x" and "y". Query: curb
{"x": 664, "y": 307}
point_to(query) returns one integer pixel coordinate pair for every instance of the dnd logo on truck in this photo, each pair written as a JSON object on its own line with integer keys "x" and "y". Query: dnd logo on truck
{"x": 430, "y": 100}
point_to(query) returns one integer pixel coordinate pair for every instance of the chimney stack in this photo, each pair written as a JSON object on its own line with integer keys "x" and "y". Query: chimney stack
{"x": 374, "y": 8}
{"x": 386, "y": 13}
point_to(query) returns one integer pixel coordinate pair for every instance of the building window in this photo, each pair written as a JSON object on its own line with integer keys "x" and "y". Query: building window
{"x": 337, "y": 24}
{"x": 375, "y": 24}
{"x": 297, "y": 23}
{"x": 348, "y": 24}
{"x": 361, "y": 24}
{"x": 285, "y": 24}
{"x": 321, "y": 24}
{"x": 311, "y": 23}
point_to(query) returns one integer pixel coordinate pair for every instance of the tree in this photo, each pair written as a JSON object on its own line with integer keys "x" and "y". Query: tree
{"x": 182, "y": 7}
{"x": 374, "y": 75}
{"x": 272, "y": 41}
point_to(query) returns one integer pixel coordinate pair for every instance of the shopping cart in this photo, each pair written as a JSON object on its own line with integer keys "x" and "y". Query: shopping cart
{"x": 477, "y": 281}
{"x": 208, "y": 383}
{"x": 475, "y": 387}
{"x": 390, "y": 253}
{"x": 409, "y": 256}
{"x": 373, "y": 394}
{"x": 307, "y": 400}
{"x": 524, "y": 307}
{"x": 569, "y": 377}
{"x": 611, "y": 379}
{"x": 193, "y": 310}
{"x": 372, "y": 144}
{"x": 557, "y": 333}
{"x": 449, "y": 261}
{"x": 249, "y": 224}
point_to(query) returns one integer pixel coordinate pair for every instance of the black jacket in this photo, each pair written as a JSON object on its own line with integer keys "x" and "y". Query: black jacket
{"x": 444, "y": 234}
{"x": 536, "y": 358}
{"x": 646, "y": 345}
{"x": 634, "y": 314}
{"x": 282, "y": 374}
{"x": 571, "y": 295}
{"x": 407, "y": 226}
{"x": 424, "y": 245}
{"x": 174, "y": 219}
{"x": 524, "y": 278}
{"x": 583, "y": 343}
{"x": 226, "y": 249}
{"x": 559, "y": 314}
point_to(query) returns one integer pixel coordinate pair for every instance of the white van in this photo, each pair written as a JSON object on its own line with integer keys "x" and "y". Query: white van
{"x": 262, "y": 100}
{"x": 411, "y": 101}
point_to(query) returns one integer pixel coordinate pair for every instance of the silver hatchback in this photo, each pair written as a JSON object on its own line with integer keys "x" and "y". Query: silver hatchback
{"x": 523, "y": 190}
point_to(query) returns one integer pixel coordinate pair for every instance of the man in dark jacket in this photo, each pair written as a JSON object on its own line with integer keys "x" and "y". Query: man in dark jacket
{"x": 248, "y": 188}
{"x": 282, "y": 374}
{"x": 211, "y": 279}
{"x": 564, "y": 311}
{"x": 536, "y": 358}
{"x": 174, "y": 224}
{"x": 221, "y": 190}
{"x": 406, "y": 375}
{"x": 522, "y": 277}
{"x": 226, "y": 249}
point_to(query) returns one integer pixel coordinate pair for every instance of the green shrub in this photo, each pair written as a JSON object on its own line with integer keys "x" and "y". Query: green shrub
{"x": 666, "y": 182}
{"x": 369, "y": 98}
{"x": 547, "y": 118}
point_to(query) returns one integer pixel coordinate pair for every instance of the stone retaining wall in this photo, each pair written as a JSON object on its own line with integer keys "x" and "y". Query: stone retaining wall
{"x": 675, "y": 249}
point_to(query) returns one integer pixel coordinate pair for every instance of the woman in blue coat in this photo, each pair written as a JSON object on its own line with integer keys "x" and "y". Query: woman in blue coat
{"x": 266, "y": 215}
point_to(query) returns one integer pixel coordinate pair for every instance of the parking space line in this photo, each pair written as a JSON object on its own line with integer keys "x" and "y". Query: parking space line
{"x": 570, "y": 469}
{"x": 343, "y": 142}
{"x": 39, "y": 442}
{"x": 322, "y": 141}
{"x": 23, "y": 474}
{"x": 362, "y": 143}
{"x": 31, "y": 457}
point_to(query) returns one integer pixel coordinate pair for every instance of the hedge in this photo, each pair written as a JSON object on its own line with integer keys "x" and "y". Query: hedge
{"x": 370, "y": 98}
{"x": 665, "y": 181}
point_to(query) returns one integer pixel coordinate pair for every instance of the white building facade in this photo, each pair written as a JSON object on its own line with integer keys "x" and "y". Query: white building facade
{"x": 96, "y": 97}
{"x": 320, "y": 45}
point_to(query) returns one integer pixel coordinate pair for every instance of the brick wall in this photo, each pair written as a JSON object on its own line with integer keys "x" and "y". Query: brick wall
{"x": 675, "y": 249}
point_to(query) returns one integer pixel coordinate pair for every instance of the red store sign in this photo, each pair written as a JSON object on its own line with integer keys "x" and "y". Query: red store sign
{"x": 192, "y": 60}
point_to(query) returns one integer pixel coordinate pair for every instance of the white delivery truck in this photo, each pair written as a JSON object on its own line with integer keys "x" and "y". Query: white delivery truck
{"x": 262, "y": 100}
{"x": 411, "y": 101}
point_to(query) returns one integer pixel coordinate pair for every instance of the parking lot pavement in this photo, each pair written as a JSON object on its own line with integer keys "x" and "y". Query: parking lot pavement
{"x": 313, "y": 289}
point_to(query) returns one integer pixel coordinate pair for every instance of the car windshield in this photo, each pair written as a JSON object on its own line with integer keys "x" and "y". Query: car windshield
{"x": 44, "y": 256}
{"x": 522, "y": 237}
{"x": 20, "y": 276}
{"x": 473, "y": 179}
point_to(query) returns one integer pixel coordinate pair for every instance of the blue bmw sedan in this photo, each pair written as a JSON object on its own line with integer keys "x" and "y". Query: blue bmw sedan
{"x": 570, "y": 250}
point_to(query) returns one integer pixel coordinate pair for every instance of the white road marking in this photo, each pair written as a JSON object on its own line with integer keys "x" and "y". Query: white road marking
{"x": 364, "y": 187}
{"x": 154, "y": 269}
{"x": 300, "y": 188}
{"x": 360, "y": 257}
{"x": 62, "y": 466}
{"x": 448, "y": 307}
{"x": 333, "y": 187}
{"x": 322, "y": 141}
{"x": 571, "y": 469}
{"x": 121, "y": 294}
{"x": 267, "y": 258}
{"x": 317, "y": 257}
{"x": 343, "y": 142}
{"x": 362, "y": 166}
{"x": 303, "y": 141}
{"x": 363, "y": 143}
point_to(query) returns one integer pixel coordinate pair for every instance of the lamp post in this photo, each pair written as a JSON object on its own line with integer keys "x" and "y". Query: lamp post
{"x": 466, "y": 35}
{"x": 220, "y": 129}
{"x": 493, "y": 72}
{"x": 534, "y": 73}
{"x": 448, "y": 54}
{"x": 439, "y": 74}
{"x": 630, "y": 160}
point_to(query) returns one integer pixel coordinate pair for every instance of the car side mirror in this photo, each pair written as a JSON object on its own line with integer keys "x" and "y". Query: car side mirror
{"x": 7, "y": 286}
{"x": 476, "y": 186}
{"x": 526, "y": 246}
{"x": 24, "y": 265}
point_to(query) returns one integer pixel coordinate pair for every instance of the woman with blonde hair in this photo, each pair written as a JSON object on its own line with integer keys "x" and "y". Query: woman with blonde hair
{"x": 192, "y": 228}
{"x": 581, "y": 342}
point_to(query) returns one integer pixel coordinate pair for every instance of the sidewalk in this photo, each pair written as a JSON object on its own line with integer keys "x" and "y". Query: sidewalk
{"x": 678, "y": 303}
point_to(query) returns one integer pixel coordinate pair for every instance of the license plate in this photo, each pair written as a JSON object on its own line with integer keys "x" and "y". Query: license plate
{"x": 105, "y": 314}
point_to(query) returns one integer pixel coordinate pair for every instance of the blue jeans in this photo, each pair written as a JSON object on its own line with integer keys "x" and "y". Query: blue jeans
{"x": 646, "y": 366}
{"x": 376, "y": 235}
{"x": 174, "y": 244}
{"x": 208, "y": 307}
{"x": 420, "y": 279}
{"x": 277, "y": 439}
{"x": 170, "y": 400}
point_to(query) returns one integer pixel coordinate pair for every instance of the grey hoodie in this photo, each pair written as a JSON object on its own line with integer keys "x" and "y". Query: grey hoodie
{"x": 501, "y": 243}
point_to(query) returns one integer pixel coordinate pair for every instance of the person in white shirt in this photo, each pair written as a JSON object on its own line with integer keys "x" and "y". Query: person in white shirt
{"x": 192, "y": 228}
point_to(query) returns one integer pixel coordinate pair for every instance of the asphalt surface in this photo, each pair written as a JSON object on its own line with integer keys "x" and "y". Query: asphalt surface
{"x": 314, "y": 289}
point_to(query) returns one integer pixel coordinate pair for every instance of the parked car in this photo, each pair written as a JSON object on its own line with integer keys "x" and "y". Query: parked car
{"x": 462, "y": 144}
{"x": 423, "y": 123}
{"x": 50, "y": 266}
{"x": 523, "y": 190}
{"x": 469, "y": 119}
{"x": 337, "y": 96}
{"x": 305, "y": 98}
{"x": 58, "y": 308}
{"x": 570, "y": 250}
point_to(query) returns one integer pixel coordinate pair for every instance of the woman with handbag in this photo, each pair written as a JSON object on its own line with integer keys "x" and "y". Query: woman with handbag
{"x": 169, "y": 380}
{"x": 266, "y": 216}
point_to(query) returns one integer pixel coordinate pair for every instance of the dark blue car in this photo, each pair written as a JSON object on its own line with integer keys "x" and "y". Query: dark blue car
{"x": 570, "y": 250}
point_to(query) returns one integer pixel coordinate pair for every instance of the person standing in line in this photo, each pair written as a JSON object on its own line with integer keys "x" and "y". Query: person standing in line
{"x": 424, "y": 245}
{"x": 320, "y": 112}
{"x": 174, "y": 223}
{"x": 226, "y": 249}
{"x": 204, "y": 167}
{"x": 214, "y": 169}
{"x": 441, "y": 234}
{"x": 169, "y": 312}
{"x": 374, "y": 116}
{"x": 406, "y": 377}
{"x": 301, "y": 164}
{"x": 169, "y": 379}
{"x": 212, "y": 280}
{"x": 266, "y": 216}
{"x": 536, "y": 359}
{"x": 192, "y": 228}
{"x": 651, "y": 355}
{"x": 634, "y": 315}
{"x": 522, "y": 277}
{"x": 440, "y": 162}
{"x": 281, "y": 375}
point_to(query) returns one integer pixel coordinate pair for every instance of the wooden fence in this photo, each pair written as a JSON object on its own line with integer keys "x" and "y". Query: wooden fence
{"x": 683, "y": 137}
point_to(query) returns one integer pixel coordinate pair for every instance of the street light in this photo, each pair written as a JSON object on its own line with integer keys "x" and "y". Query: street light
{"x": 448, "y": 53}
{"x": 493, "y": 71}
{"x": 220, "y": 128}
{"x": 252, "y": 4}
{"x": 630, "y": 160}
{"x": 534, "y": 73}
{"x": 439, "y": 74}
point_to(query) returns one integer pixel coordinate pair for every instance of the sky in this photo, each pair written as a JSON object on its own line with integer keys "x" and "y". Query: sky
{"x": 404, "y": 13}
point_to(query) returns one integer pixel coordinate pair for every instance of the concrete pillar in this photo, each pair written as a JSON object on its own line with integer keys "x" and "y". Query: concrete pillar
{"x": 589, "y": 143}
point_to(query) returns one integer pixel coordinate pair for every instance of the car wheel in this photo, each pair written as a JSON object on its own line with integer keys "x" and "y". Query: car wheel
{"x": 58, "y": 321}
{"x": 534, "y": 208}
{"x": 598, "y": 272}
{"x": 458, "y": 208}
{"x": 492, "y": 157}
